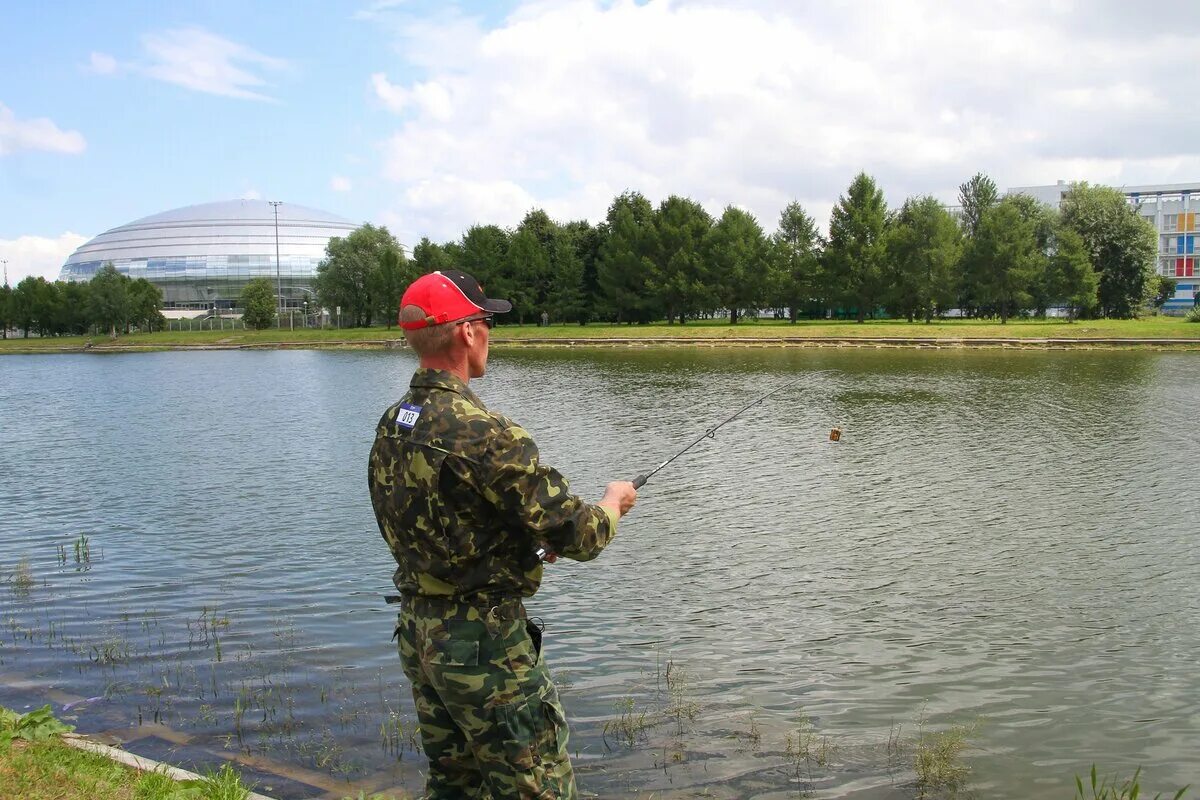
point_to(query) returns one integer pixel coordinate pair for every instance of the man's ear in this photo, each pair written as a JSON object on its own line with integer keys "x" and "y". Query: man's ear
{"x": 465, "y": 334}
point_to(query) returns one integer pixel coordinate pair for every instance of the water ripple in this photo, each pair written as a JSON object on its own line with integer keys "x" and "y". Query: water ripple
{"x": 997, "y": 535}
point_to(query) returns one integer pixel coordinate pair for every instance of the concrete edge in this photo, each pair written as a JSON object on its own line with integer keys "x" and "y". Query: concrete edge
{"x": 138, "y": 762}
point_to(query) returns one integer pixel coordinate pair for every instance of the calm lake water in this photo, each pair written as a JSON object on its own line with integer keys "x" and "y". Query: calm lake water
{"x": 1003, "y": 540}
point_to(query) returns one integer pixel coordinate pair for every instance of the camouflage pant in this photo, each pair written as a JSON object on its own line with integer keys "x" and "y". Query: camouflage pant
{"x": 491, "y": 722}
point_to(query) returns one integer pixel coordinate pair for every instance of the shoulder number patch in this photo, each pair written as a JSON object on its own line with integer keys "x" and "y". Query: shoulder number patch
{"x": 406, "y": 417}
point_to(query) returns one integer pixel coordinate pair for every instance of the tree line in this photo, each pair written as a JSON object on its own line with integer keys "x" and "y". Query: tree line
{"x": 110, "y": 302}
{"x": 997, "y": 257}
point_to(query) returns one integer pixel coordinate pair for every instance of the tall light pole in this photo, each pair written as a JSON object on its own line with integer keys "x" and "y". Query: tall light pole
{"x": 278, "y": 280}
{"x": 4, "y": 324}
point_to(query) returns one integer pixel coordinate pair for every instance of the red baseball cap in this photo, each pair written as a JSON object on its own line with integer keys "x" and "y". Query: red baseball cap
{"x": 448, "y": 296}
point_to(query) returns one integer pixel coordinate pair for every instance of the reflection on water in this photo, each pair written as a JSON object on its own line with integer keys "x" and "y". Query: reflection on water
{"x": 999, "y": 537}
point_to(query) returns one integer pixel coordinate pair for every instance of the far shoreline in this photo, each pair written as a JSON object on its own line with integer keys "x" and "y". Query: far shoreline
{"x": 145, "y": 343}
{"x": 1151, "y": 332}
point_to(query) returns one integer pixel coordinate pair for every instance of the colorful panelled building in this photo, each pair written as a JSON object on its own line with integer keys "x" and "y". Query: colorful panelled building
{"x": 1172, "y": 209}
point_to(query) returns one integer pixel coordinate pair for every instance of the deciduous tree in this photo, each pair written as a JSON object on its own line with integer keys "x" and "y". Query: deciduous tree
{"x": 388, "y": 280}
{"x": 1122, "y": 246}
{"x": 6, "y": 310}
{"x": 145, "y": 305}
{"x": 1162, "y": 288}
{"x": 24, "y": 301}
{"x": 344, "y": 277}
{"x": 72, "y": 308}
{"x": 109, "y": 299}
{"x": 259, "y": 304}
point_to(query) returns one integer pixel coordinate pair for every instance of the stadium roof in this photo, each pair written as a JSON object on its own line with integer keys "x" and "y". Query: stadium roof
{"x": 231, "y": 227}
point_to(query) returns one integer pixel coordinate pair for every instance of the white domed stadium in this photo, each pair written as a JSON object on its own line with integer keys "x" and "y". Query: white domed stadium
{"x": 202, "y": 256}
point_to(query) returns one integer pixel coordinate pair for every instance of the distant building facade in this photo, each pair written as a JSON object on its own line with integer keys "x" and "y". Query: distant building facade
{"x": 202, "y": 256}
{"x": 1171, "y": 209}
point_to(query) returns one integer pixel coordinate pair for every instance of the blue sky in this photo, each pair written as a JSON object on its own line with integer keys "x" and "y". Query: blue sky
{"x": 430, "y": 117}
{"x": 151, "y": 143}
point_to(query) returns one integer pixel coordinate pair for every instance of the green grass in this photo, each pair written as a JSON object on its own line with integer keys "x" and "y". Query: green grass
{"x": 1145, "y": 328}
{"x": 35, "y": 764}
{"x": 51, "y": 769}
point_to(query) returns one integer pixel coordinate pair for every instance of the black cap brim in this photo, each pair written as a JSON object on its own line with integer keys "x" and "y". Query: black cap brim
{"x": 474, "y": 292}
{"x": 497, "y": 306}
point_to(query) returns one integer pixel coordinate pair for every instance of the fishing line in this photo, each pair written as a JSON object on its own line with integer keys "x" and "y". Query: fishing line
{"x": 711, "y": 433}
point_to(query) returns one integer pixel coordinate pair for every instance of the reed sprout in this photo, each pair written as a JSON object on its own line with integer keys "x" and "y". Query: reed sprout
{"x": 1113, "y": 788}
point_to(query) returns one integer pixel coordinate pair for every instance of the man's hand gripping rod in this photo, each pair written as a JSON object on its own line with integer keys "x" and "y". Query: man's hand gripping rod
{"x": 711, "y": 433}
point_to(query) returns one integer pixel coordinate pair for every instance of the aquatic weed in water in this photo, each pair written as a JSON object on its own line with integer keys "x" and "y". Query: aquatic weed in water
{"x": 395, "y": 736}
{"x": 805, "y": 750}
{"x": 1115, "y": 790}
{"x": 112, "y": 650}
{"x": 938, "y": 760}
{"x": 630, "y": 724}
{"x": 83, "y": 551}
{"x": 22, "y": 578}
{"x": 680, "y": 706}
{"x": 753, "y": 734}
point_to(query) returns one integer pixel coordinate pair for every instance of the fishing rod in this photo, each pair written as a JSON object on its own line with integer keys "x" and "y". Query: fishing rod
{"x": 711, "y": 433}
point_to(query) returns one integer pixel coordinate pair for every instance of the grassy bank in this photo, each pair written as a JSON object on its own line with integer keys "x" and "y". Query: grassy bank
{"x": 36, "y": 763}
{"x": 1151, "y": 328}
{"x": 51, "y": 769}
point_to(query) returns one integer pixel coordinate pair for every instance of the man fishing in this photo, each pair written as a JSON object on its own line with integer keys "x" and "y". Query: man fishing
{"x": 466, "y": 507}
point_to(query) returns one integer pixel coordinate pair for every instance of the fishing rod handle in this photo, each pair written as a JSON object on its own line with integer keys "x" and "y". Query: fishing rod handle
{"x": 640, "y": 480}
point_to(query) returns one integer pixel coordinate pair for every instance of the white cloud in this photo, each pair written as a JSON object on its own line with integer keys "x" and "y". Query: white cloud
{"x": 38, "y": 255}
{"x": 392, "y": 96}
{"x": 102, "y": 64}
{"x": 428, "y": 203}
{"x": 430, "y": 98}
{"x": 563, "y": 105}
{"x": 251, "y": 194}
{"x": 36, "y": 134}
{"x": 340, "y": 183}
{"x": 204, "y": 62}
{"x": 373, "y": 11}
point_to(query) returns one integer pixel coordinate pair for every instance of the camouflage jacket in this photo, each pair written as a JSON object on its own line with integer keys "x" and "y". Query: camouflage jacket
{"x": 463, "y": 501}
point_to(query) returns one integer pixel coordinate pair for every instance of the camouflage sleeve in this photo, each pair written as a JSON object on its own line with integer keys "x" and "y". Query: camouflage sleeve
{"x": 537, "y": 498}
{"x": 379, "y": 481}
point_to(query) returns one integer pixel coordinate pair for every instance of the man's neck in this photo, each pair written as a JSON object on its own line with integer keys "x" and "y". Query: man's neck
{"x": 456, "y": 367}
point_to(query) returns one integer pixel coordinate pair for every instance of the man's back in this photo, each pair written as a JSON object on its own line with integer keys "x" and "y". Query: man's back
{"x": 463, "y": 501}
